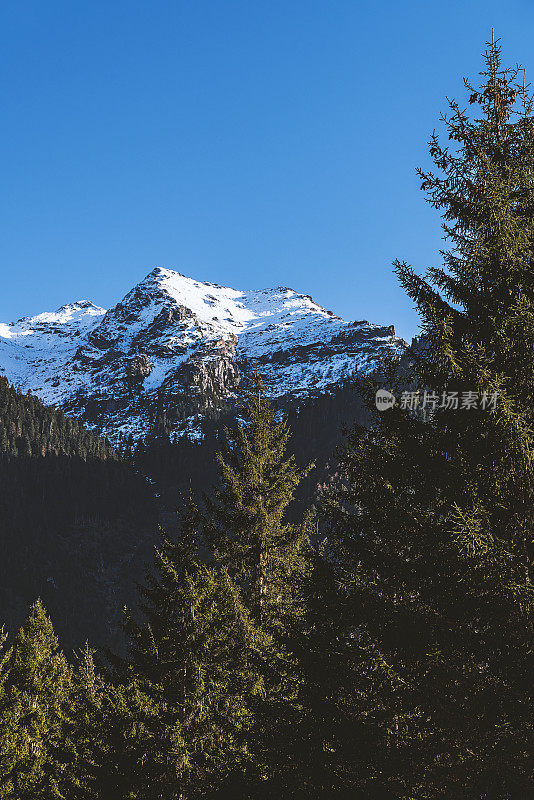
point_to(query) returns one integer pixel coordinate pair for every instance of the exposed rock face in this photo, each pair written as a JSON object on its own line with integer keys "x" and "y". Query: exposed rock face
{"x": 213, "y": 374}
{"x": 138, "y": 367}
{"x": 174, "y": 348}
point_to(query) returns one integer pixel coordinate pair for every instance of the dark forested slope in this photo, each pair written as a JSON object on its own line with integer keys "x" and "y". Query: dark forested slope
{"x": 76, "y": 523}
{"x": 316, "y": 430}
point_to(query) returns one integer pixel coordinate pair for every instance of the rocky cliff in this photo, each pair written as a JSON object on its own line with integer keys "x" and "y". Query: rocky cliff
{"x": 175, "y": 349}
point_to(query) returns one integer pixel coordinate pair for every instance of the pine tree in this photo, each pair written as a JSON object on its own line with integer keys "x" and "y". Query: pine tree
{"x": 213, "y": 656}
{"x": 245, "y": 525}
{"x": 8, "y": 720}
{"x": 35, "y": 754}
{"x": 87, "y": 729}
{"x": 268, "y": 559}
{"x": 189, "y": 660}
{"x": 431, "y": 535}
{"x": 110, "y": 724}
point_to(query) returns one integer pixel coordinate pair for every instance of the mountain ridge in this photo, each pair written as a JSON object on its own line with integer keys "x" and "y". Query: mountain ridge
{"x": 175, "y": 348}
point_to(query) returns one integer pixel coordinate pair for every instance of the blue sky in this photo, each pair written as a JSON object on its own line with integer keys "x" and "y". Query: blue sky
{"x": 245, "y": 142}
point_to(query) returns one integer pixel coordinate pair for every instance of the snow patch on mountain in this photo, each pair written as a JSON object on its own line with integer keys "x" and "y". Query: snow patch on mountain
{"x": 175, "y": 346}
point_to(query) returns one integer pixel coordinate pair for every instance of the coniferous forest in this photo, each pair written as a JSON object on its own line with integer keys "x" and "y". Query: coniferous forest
{"x": 364, "y": 633}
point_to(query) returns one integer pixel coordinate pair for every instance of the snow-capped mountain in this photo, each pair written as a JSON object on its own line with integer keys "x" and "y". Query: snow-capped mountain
{"x": 173, "y": 348}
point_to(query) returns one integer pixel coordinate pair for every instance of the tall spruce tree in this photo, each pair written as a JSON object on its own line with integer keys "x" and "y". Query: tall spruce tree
{"x": 8, "y": 720}
{"x": 267, "y": 557}
{"x": 212, "y": 655}
{"x": 190, "y": 662}
{"x": 35, "y": 751}
{"x": 245, "y": 525}
{"x": 111, "y": 732}
{"x": 430, "y": 537}
{"x": 88, "y": 736}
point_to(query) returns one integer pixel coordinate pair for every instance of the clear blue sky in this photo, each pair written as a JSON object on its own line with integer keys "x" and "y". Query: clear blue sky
{"x": 245, "y": 142}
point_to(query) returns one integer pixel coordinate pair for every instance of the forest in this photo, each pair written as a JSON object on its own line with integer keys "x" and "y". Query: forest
{"x": 366, "y": 633}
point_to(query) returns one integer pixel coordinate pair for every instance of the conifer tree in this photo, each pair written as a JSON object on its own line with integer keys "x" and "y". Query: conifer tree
{"x": 268, "y": 559}
{"x": 88, "y": 728}
{"x": 35, "y": 753}
{"x": 212, "y": 656}
{"x": 431, "y": 534}
{"x": 245, "y": 525}
{"x": 189, "y": 661}
{"x": 8, "y": 719}
{"x": 110, "y": 723}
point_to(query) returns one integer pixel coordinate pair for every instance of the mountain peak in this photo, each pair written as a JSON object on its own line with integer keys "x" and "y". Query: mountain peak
{"x": 68, "y": 313}
{"x": 181, "y": 345}
{"x": 79, "y": 305}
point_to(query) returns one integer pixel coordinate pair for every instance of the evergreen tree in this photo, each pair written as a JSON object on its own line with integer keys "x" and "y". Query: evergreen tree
{"x": 87, "y": 730}
{"x": 189, "y": 661}
{"x": 245, "y": 524}
{"x": 110, "y": 734}
{"x": 214, "y": 656}
{"x": 430, "y": 537}
{"x": 8, "y": 720}
{"x": 35, "y": 753}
